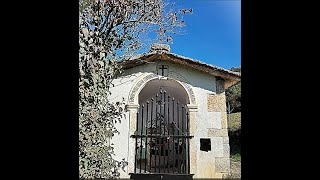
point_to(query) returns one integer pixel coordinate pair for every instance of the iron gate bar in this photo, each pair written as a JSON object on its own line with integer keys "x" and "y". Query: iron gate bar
{"x": 178, "y": 138}
{"x": 158, "y": 136}
{"x": 159, "y": 145}
{"x": 145, "y": 147}
{"x": 188, "y": 142}
{"x": 183, "y": 140}
{"x": 141, "y": 136}
{"x": 164, "y": 174}
{"x": 173, "y": 142}
{"x": 135, "y": 159}
{"x": 151, "y": 139}
{"x": 161, "y": 136}
{"x": 156, "y": 140}
{"x": 164, "y": 127}
{"x": 168, "y": 133}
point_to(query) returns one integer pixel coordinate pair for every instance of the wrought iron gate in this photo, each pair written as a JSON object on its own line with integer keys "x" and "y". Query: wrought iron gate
{"x": 162, "y": 137}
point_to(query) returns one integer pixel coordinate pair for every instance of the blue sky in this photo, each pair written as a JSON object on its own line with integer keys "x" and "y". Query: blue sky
{"x": 212, "y": 33}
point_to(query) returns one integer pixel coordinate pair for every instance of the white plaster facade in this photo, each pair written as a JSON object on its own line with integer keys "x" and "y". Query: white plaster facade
{"x": 203, "y": 164}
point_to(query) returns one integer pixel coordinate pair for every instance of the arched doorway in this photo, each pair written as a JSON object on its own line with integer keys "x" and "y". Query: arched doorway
{"x": 162, "y": 129}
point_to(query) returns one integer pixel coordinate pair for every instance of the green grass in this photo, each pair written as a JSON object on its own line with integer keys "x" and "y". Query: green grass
{"x": 234, "y": 121}
{"x": 236, "y": 157}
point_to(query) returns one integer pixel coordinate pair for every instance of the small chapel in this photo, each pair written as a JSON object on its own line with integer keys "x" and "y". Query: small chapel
{"x": 176, "y": 119}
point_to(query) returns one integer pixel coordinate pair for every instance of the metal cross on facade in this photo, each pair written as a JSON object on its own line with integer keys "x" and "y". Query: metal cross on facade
{"x": 162, "y": 68}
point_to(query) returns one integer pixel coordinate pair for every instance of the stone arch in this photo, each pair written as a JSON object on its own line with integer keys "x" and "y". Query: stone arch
{"x": 141, "y": 83}
{"x": 133, "y": 107}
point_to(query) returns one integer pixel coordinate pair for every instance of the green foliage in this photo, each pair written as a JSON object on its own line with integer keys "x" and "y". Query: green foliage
{"x": 236, "y": 157}
{"x": 109, "y": 31}
{"x": 234, "y": 121}
{"x": 233, "y": 95}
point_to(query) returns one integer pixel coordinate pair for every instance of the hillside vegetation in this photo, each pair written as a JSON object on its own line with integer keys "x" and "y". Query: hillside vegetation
{"x": 233, "y": 95}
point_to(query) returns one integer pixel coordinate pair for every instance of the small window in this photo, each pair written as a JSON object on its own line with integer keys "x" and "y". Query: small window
{"x": 205, "y": 144}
